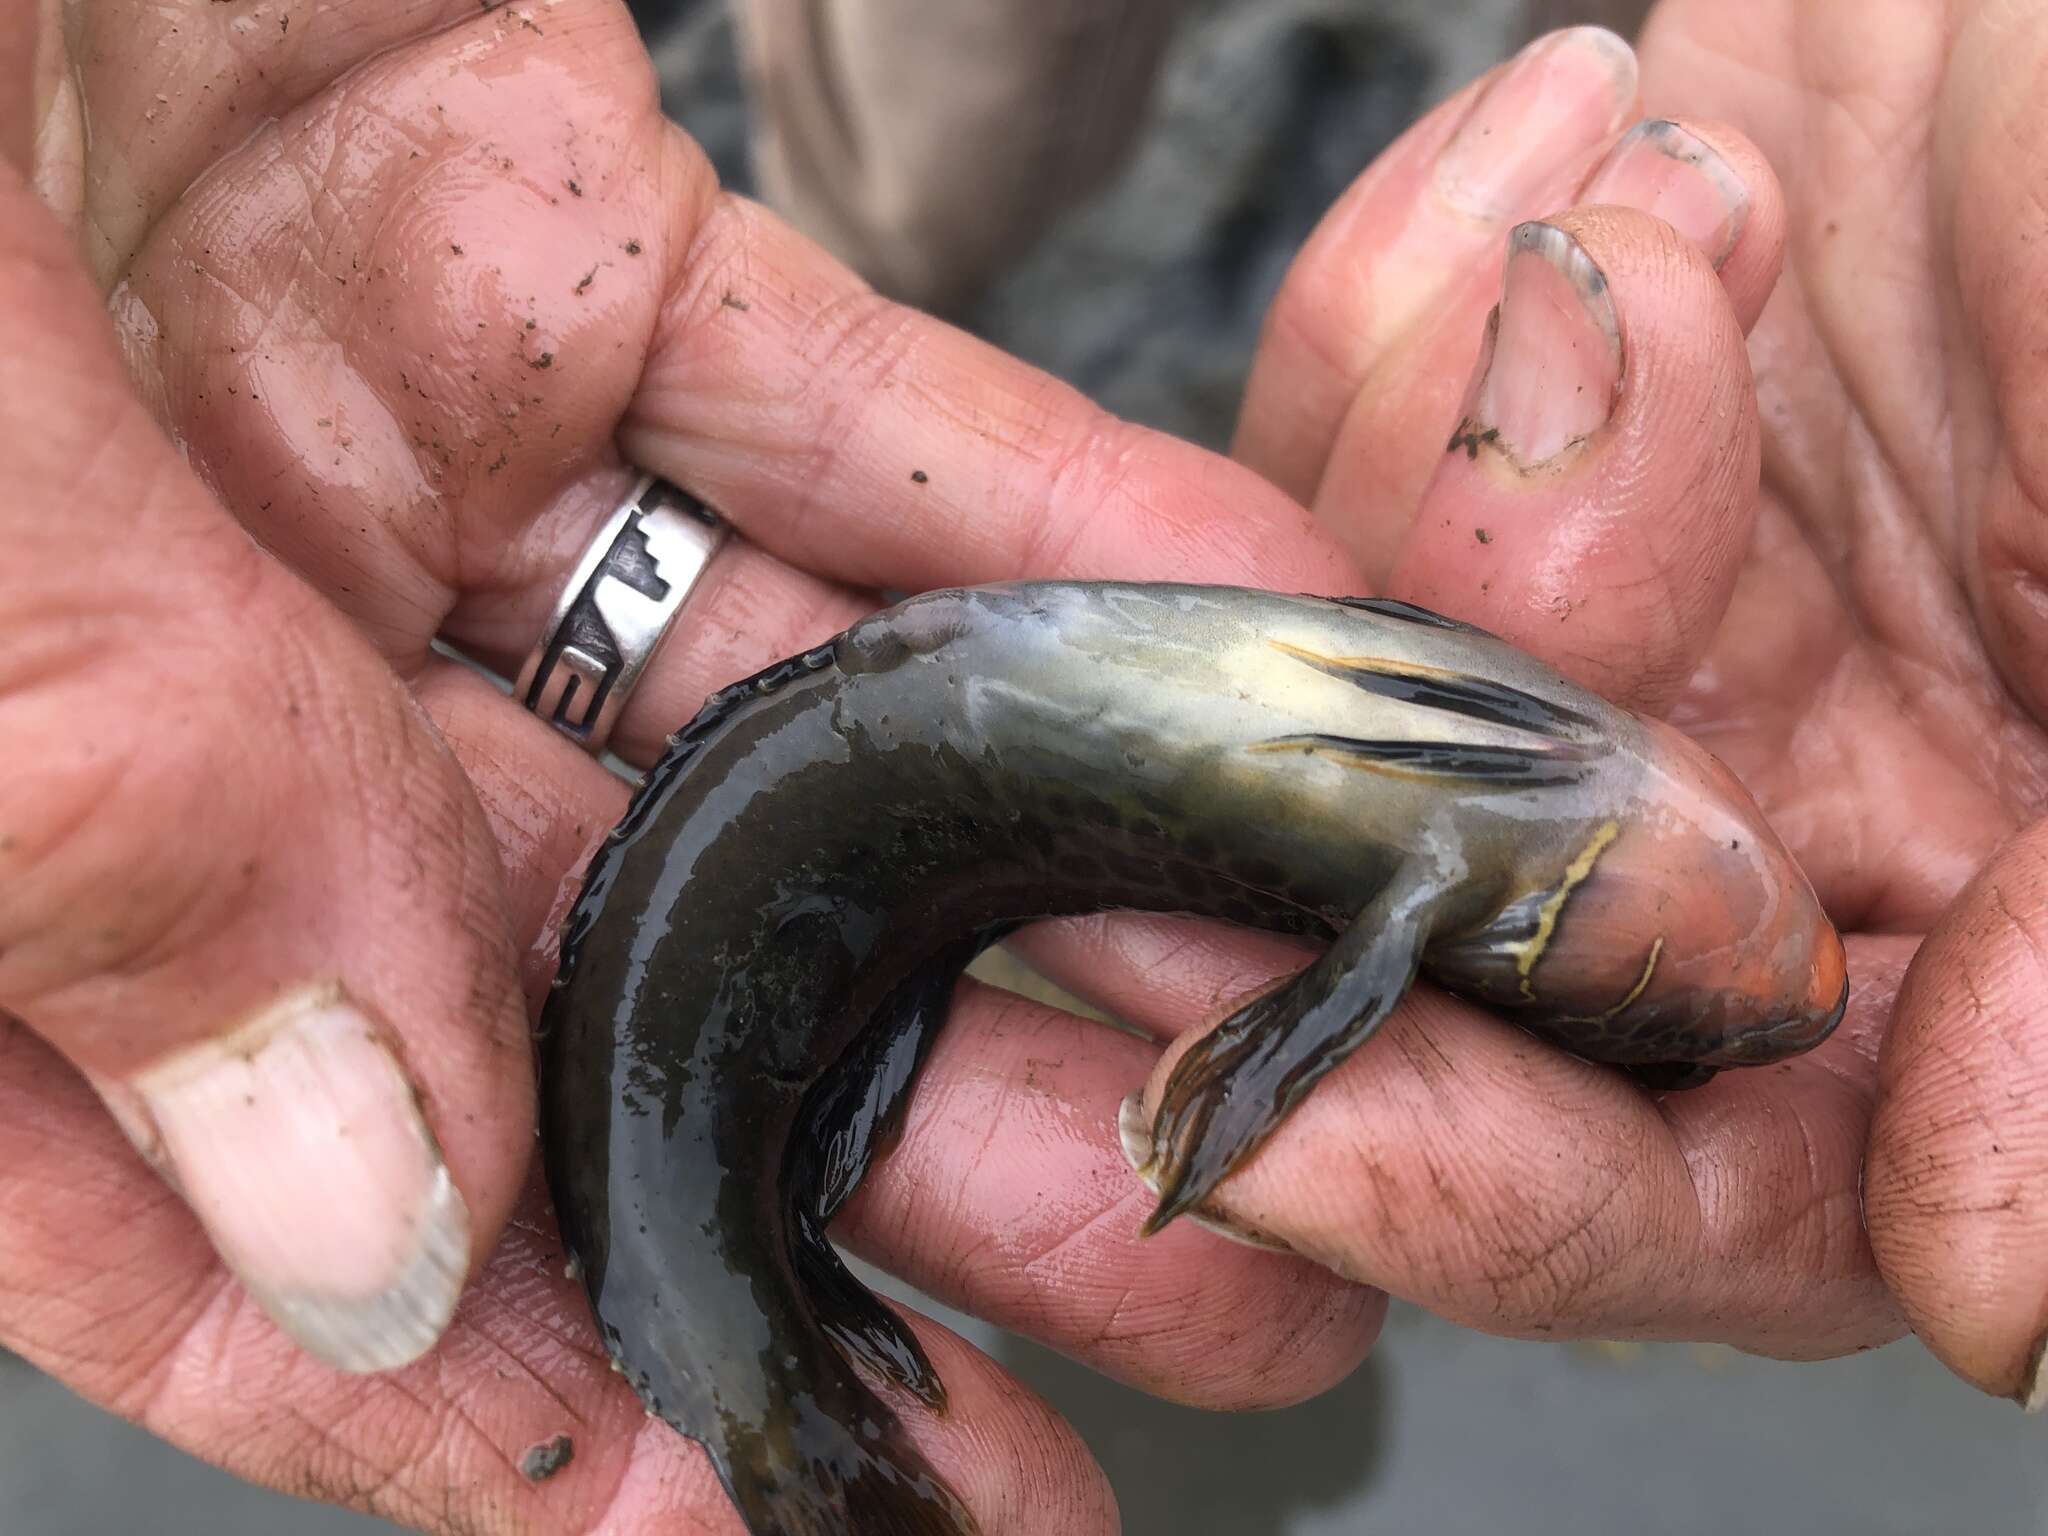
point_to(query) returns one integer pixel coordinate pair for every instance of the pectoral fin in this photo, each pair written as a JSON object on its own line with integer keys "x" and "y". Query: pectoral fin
{"x": 852, "y": 1116}
{"x": 859, "y": 1321}
{"x": 1233, "y": 1087}
{"x": 855, "y": 1112}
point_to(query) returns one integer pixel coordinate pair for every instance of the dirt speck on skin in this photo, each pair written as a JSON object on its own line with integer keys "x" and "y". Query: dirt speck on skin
{"x": 543, "y": 1461}
{"x": 1470, "y": 438}
{"x": 734, "y": 301}
{"x": 545, "y": 360}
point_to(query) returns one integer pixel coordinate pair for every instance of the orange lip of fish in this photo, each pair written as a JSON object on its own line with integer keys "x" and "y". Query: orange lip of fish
{"x": 1683, "y": 932}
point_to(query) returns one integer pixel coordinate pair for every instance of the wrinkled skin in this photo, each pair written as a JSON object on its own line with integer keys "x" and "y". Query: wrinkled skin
{"x": 1880, "y": 676}
{"x": 1493, "y": 1182}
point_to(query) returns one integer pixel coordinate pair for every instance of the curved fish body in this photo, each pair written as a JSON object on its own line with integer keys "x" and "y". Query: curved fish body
{"x": 767, "y": 945}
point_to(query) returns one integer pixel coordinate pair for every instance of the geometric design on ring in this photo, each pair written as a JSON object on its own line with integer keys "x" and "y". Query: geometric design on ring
{"x": 671, "y": 538}
{"x": 634, "y": 619}
{"x": 575, "y": 672}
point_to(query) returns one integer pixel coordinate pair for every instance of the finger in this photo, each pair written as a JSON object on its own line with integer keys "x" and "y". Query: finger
{"x": 1158, "y": 973}
{"x": 1459, "y": 1164}
{"x": 746, "y": 611}
{"x": 433, "y": 472}
{"x": 1386, "y": 439}
{"x": 430, "y": 476}
{"x": 1598, "y": 494}
{"x": 1960, "y": 1142}
{"x": 174, "y": 87}
{"x": 518, "y": 1418}
{"x": 1017, "y": 1466}
{"x": 1708, "y": 182}
{"x": 242, "y": 885}
{"x": 1714, "y": 188}
{"x": 1432, "y": 207}
{"x": 880, "y": 448}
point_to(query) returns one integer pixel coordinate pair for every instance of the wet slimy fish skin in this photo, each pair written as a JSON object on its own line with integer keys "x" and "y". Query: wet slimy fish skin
{"x": 766, "y": 947}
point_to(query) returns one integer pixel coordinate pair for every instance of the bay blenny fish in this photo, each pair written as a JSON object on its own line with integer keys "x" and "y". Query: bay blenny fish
{"x": 767, "y": 945}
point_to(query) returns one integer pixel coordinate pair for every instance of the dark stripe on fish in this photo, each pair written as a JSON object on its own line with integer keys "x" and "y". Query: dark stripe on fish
{"x": 1457, "y": 693}
{"x": 1535, "y": 766}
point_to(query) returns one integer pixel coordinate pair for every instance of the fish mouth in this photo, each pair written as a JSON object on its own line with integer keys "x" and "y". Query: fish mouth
{"x": 1792, "y": 1036}
{"x": 1835, "y": 1017}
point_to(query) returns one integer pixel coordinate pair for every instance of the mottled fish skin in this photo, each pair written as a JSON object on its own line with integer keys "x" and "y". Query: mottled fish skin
{"x": 766, "y": 947}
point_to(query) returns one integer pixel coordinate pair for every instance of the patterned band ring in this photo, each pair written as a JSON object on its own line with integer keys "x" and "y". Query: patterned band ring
{"x": 615, "y": 609}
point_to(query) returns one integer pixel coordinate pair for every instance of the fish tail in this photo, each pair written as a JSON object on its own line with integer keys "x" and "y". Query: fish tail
{"x": 823, "y": 1475}
{"x": 803, "y": 1443}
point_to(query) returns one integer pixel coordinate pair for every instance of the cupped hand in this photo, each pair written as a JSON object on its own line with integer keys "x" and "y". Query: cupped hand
{"x": 1508, "y": 371}
{"x": 279, "y": 879}
{"x": 1882, "y": 675}
{"x": 1863, "y": 643}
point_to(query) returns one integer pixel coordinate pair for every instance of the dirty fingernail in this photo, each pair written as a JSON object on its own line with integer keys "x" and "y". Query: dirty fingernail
{"x": 1662, "y": 169}
{"x": 1134, "y": 1135}
{"x": 299, "y": 1143}
{"x": 1552, "y": 365}
{"x": 1563, "y": 96}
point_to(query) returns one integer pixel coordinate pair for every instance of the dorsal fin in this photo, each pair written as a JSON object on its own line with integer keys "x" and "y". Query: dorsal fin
{"x": 1394, "y": 608}
{"x": 1527, "y": 767}
{"x": 1459, "y": 693}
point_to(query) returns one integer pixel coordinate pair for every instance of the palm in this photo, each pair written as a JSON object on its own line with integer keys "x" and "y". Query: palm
{"x": 1861, "y": 680}
{"x": 1875, "y": 674}
{"x": 1879, "y": 677}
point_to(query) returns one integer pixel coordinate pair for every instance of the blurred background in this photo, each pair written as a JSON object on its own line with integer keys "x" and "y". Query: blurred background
{"x": 1179, "y": 154}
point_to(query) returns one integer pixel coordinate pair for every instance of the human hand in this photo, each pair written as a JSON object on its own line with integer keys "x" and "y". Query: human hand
{"x": 1596, "y": 506}
{"x": 1882, "y": 674}
{"x": 391, "y": 279}
{"x": 1864, "y": 652}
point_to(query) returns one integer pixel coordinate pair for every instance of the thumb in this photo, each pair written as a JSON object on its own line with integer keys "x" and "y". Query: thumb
{"x": 243, "y": 887}
{"x": 1600, "y": 487}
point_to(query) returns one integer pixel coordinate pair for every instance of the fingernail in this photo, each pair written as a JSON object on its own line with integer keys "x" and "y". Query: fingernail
{"x": 1551, "y": 368}
{"x": 1562, "y": 96}
{"x": 299, "y": 1143}
{"x": 1134, "y": 1135}
{"x": 1679, "y": 177}
{"x": 2036, "y": 1397}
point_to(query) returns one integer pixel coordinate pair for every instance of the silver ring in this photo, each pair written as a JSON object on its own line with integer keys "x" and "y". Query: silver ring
{"x": 615, "y": 609}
